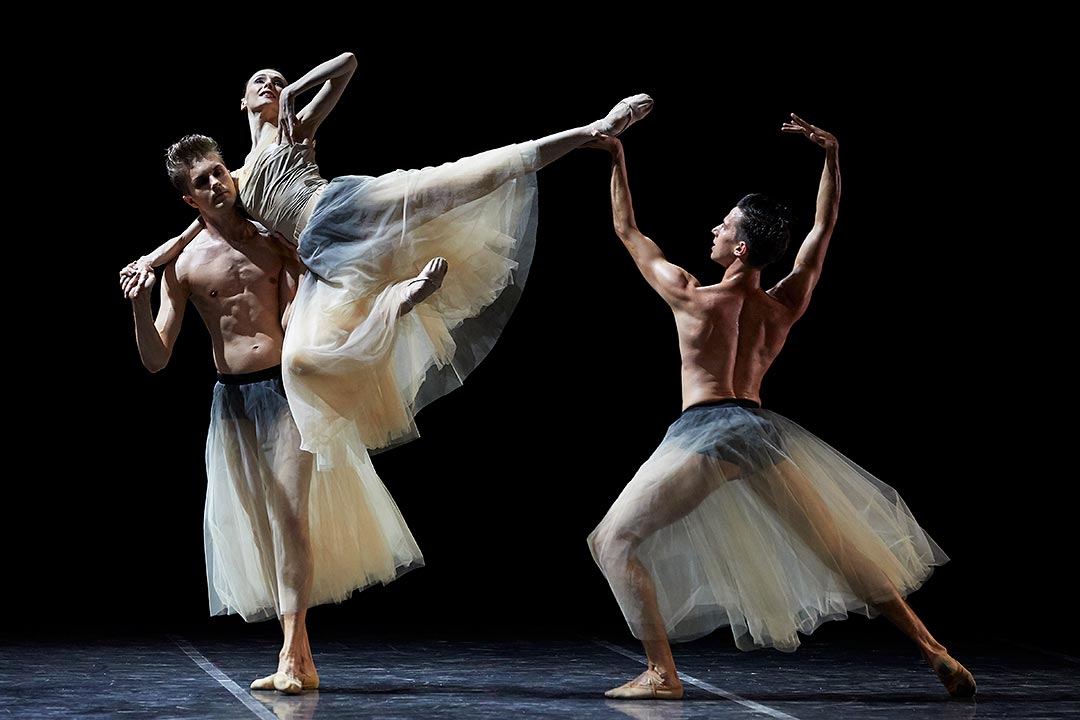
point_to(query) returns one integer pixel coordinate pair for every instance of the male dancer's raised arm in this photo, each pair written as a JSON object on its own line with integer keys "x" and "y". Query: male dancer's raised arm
{"x": 672, "y": 282}
{"x": 795, "y": 289}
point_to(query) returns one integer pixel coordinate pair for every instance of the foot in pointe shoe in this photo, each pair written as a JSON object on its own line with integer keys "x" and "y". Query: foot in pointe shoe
{"x": 955, "y": 677}
{"x": 423, "y": 285}
{"x": 625, "y": 113}
{"x": 649, "y": 685}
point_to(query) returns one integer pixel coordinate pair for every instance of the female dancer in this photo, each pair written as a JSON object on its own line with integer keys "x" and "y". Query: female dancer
{"x": 358, "y": 363}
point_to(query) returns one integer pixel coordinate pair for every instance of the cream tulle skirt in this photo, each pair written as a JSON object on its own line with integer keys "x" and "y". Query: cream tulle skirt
{"x": 742, "y": 518}
{"x": 263, "y": 500}
{"x": 354, "y": 365}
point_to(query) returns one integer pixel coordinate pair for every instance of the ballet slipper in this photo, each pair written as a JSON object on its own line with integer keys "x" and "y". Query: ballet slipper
{"x": 619, "y": 119}
{"x": 955, "y": 677}
{"x": 290, "y": 684}
{"x": 264, "y": 683}
{"x": 421, "y": 287}
{"x": 649, "y": 685}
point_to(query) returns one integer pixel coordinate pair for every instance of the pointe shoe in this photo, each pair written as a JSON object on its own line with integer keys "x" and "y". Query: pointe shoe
{"x": 649, "y": 685}
{"x": 421, "y": 287}
{"x": 620, "y": 117}
{"x": 955, "y": 677}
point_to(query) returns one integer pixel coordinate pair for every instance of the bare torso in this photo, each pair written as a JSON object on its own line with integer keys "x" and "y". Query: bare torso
{"x": 729, "y": 335}
{"x": 235, "y": 287}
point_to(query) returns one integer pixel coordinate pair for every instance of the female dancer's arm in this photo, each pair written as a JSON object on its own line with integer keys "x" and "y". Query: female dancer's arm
{"x": 334, "y": 75}
{"x": 137, "y": 273}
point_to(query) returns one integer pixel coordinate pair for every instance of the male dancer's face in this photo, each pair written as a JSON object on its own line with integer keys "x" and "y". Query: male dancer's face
{"x": 211, "y": 188}
{"x": 724, "y": 243}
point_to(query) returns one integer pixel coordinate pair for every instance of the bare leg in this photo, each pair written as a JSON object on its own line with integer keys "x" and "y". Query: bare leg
{"x": 625, "y": 113}
{"x": 615, "y": 546}
{"x": 440, "y": 189}
{"x": 802, "y": 506}
{"x": 289, "y": 504}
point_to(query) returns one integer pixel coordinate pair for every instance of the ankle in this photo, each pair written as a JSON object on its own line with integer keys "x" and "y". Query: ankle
{"x": 668, "y": 676}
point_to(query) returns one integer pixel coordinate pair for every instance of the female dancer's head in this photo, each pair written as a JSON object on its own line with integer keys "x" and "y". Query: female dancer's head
{"x": 261, "y": 93}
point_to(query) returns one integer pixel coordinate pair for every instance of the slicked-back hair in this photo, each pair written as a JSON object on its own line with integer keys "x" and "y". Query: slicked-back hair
{"x": 765, "y": 227}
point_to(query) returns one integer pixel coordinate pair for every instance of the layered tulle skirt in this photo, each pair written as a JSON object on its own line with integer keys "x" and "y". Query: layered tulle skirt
{"x": 741, "y": 518}
{"x": 263, "y": 500}
{"x": 354, "y": 363}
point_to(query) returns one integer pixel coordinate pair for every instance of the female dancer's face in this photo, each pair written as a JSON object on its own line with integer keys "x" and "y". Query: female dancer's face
{"x": 263, "y": 90}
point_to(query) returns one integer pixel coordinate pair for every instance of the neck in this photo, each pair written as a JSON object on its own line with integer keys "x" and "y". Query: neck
{"x": 743, "y": 274}
{"x": 228, "y": 225}
{"x": 261, "y": 125}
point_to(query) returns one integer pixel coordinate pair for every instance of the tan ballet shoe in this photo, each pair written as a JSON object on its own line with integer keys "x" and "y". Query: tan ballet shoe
{"x": 619, "y": 118}
{"x": 421, "y": 287}
{"x": 649, "y": 685}
{"x": 288, "y": 683}
{"x": 955, "y": 677}
{"x": 264, "y": 683}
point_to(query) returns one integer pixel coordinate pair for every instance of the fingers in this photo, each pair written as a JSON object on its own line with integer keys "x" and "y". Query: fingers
{"x": 799, "y": 121}
{"x": 797, "y": 125}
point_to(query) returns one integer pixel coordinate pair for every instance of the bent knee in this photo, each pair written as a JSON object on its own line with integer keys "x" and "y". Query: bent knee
{"x": 612, "y": 547}
{"x": 297, "y": 362}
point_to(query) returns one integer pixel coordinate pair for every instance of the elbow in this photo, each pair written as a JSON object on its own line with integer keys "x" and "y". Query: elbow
{"x": 624, "y": 229}
{"x": 155, "y": 364}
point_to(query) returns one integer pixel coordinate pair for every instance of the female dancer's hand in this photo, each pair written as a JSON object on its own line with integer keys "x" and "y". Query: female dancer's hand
{"x": 286, "y": 115}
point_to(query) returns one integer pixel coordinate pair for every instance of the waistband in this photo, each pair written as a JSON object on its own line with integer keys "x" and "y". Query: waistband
{"x": 738, "y": 402}
{"x": 270, "y": 373}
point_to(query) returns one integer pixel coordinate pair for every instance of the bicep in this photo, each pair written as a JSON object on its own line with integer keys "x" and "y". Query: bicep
{"x": 794, "y": 291}
{"x": 670, "y": 281}
{"x": 667, "y": 279}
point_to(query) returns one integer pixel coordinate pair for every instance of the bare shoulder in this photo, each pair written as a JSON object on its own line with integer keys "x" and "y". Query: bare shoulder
{"x": 674, "y": 276}
{"x": 194, "y": 253}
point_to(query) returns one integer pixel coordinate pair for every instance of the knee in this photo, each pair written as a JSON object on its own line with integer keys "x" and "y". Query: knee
{"x": 296, "y": 362}
{"x": 611, "y": 547}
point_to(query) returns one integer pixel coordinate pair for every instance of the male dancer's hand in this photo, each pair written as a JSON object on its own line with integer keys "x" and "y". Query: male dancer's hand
{"x": 136, "y": 276}
{"x": 601, "y": 141}
{"x": 814, "y": 133}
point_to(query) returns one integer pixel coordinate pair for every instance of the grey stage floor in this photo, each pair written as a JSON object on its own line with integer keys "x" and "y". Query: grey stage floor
{"x": 174, "y": 676}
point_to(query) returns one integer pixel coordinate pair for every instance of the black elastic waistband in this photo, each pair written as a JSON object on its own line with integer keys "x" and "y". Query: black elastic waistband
{"x": 270, "y": 373}
{"x": 739, "y": 402}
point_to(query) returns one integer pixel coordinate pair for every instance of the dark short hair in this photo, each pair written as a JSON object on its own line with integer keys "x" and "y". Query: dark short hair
{"x": 765, "y": 227}
{"x": 184, "y": 153}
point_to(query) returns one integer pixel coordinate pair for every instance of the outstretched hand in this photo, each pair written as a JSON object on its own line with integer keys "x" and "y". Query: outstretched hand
{"x": 601, "y": 141}
{"x": 136, "y": 276}
{"x": 816, "y": 134}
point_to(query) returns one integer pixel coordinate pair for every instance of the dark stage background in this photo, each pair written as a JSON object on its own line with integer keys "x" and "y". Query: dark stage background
{"x": 923, "y": 356}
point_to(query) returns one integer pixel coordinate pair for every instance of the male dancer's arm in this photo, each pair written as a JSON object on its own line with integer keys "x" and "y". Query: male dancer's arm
{"x": 156, "y": 339}
{"x": 672, "y": 282}
{"x": 795, "y": 289}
